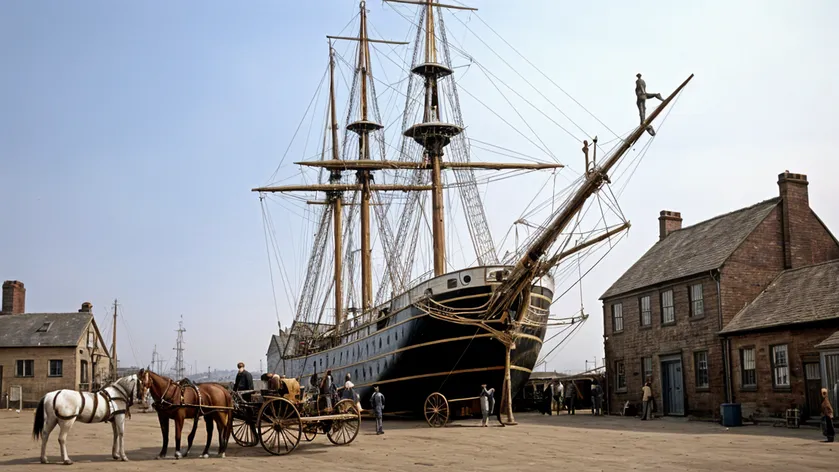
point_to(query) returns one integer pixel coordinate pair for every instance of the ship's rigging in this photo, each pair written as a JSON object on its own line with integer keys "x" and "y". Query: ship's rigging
{"x": 363, "y": 172}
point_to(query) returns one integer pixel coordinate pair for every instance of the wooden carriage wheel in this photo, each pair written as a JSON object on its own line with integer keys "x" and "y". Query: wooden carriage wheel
{"x": 279, "y": 426}
{"x": 244, "y": 433}
{"x": 436, "y": 410}
{"x": 342, "y": 432}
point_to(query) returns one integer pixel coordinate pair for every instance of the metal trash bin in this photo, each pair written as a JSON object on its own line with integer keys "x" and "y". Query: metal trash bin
{"x": 732, "y": 414}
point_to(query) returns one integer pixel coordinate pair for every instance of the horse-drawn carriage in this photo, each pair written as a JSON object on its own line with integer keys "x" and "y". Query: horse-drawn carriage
{"x": 278, "y": 418}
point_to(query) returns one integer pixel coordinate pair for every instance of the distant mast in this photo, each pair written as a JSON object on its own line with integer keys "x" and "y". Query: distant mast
{"x": 179, "y": 350}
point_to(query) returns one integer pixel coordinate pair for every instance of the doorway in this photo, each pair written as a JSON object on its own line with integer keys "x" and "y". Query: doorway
{"x": 813, "y": 385}
{"x": 672, "y": 386}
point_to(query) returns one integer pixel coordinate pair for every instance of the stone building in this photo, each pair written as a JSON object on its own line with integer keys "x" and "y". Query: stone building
{"x": 665, "y": 317}
{"x": 42, "y": 352}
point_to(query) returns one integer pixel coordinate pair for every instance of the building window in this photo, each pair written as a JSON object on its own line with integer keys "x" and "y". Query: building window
{"x": 56, "y": 368}
{"x": 90, "y": 339}
{"x": 748, "y": 374}
{"x": 700, "y": 362}
{"x": 646, "y": 311}
{"x": 668, "y": 311}
{"x": 620, "y": 376}
{"x": 647, "y": 368}
{"x": 617, "y": 317}
{"x": 44, "y": 327}
{"x": 697, "y": 303}
{"x": 25, "y": 368}
{"x": 84, "y": 373}
{"x": 780, "y": 366}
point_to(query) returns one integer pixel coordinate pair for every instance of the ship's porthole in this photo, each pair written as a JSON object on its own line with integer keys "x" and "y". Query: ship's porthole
{"x": 467, "y": 278}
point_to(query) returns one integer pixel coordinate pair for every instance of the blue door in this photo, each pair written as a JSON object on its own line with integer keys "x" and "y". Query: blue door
{"x": 672, "y": 392}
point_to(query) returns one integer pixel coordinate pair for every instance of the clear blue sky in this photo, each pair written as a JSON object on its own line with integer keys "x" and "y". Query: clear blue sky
{"x": 131, "y": 134}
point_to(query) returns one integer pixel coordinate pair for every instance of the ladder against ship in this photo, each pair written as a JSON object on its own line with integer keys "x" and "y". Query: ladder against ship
{"x": 459, "y": 329}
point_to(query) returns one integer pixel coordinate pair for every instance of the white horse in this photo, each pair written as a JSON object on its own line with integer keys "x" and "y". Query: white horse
{"x": 65, "y": 407}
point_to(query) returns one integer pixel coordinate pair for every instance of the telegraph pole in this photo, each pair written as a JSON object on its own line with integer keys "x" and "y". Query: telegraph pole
{"x": 179, "y": 350}
{"x": 114, "y": 345}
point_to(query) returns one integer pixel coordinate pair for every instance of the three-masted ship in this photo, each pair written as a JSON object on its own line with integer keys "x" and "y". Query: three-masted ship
{"x": 453, "y": 330}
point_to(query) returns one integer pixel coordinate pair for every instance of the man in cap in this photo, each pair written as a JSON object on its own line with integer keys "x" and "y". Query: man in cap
{"x": 641, "y": 97}
{"x": 378, "y": 402}
{"x": 244, "y": 380}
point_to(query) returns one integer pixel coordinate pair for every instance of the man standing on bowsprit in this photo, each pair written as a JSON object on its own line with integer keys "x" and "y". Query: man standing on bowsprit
{"x": 244, "y": 380}
{"x": 641, "y": 97}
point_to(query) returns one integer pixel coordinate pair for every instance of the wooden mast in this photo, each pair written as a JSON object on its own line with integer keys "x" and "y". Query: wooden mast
{"x": 364, "y": 175}
{"x": 335, "y": 198}
{"x": 433, "y": 134}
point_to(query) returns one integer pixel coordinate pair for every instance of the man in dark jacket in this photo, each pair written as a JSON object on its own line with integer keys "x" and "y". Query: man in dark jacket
{"x": 244, "y": 380}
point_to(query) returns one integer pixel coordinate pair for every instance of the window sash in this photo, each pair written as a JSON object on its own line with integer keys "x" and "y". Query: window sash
{"x": 647, "y": 367}
{"x": 617, "y": 317}
{"x": 697, "y": 302}
{"x": 701, "y": 366}
{"x": 56, "y": 368}
{"x": 646, "y": 312}
{"x": 668, "y": 312}
{"x": 780, "y": 366}
{"x": 25, "y": 368}
{"x": 748, "y": 374}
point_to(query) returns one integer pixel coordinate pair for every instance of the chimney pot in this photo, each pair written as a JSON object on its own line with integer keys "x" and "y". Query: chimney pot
{"x": 795, "y": 206}
{"x": 14, "y": 298}
{"x": 87, "y": 307}
{"x": 668, "y": 221}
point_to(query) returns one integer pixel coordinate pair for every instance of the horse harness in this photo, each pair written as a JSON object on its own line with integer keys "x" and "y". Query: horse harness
{"x": 109, "y": 416}
{"x": 164, "y": 404}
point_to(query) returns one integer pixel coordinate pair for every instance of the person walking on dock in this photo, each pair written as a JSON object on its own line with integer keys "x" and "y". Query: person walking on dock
{"x": 570, "y": 396}
{"x": 647, "y": 400}
{"x": 327, "y": 387}
{"x": 597, "y": 398}
{"x": 378, "y": 402}
{"x": 827, "y": 418}
{"x": 487, "y": 403}
{"x": 560, "y": 401}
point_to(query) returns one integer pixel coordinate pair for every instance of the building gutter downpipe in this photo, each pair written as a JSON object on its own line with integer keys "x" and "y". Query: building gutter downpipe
{"x": 724, "y": 342}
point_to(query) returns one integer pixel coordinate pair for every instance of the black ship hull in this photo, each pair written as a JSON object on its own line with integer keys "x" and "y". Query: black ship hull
{"x": 411, "y": 354}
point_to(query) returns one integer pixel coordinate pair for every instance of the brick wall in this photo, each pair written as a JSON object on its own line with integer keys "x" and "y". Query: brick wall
{"x": 37, "y": 386}
{"x": 686, "y": 336}
{"x": 765, "y": 399}
{"x": 750, "y": 269}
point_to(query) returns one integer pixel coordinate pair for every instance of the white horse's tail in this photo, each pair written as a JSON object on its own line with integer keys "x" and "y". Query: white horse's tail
{"x": 38, "y": 427}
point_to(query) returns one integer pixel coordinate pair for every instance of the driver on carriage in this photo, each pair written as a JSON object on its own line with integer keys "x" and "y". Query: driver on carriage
{"x": 272, "y": 381}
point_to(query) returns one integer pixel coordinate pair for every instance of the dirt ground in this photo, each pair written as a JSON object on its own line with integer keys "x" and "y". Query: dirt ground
{"x": 582, "y": 441}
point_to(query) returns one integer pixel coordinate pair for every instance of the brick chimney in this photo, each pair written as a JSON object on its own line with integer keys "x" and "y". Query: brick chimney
{"x": 795, "y": 213}
{"x": 14, "y": 298}
{"x": 668, "y": 221}
{"x": 87, "y": 307}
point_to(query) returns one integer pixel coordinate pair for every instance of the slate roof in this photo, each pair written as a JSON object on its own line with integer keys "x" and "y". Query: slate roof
{"x": 831, "y": 341}
{"x": 693, "y": 249}
{"x": 22, "y": 330}
{"x": 801, "y": 295}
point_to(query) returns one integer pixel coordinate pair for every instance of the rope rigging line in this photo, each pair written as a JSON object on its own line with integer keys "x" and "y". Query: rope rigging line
{"x": 316, "y": 94}
{"x": 543, "y": 74}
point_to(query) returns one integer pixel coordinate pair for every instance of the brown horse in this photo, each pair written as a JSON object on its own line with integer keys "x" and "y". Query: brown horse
{"x": 179, "y": 401}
